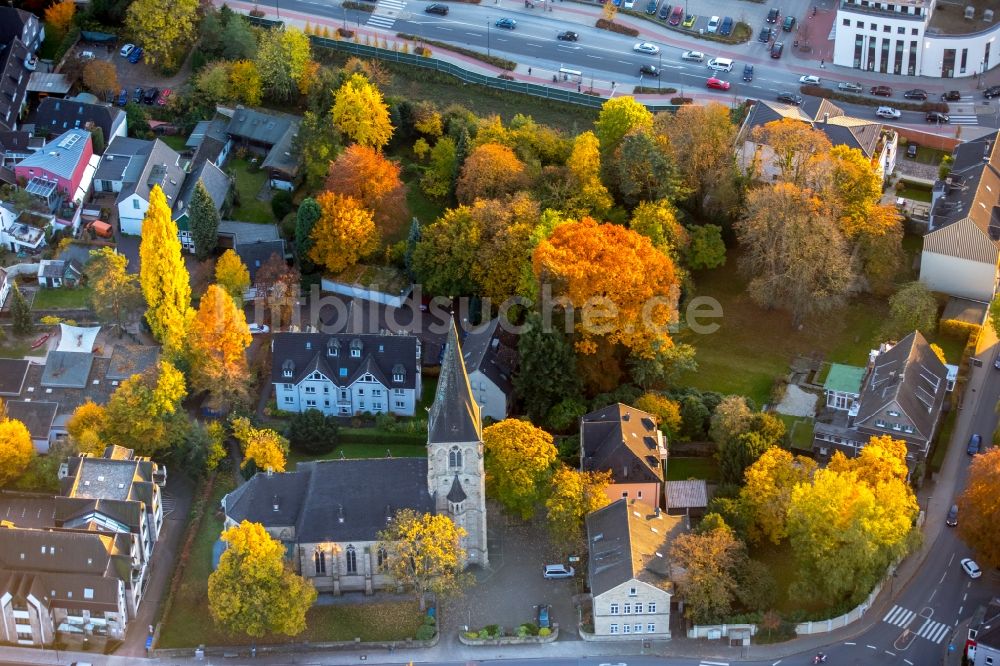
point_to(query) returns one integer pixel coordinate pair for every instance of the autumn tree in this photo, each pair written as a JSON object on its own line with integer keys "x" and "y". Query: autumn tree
{"x": 590, "y": 197}
{"x": 212, "y": 84}
{"x": 657, "y": 221}
{"x": 245, "y": 83}
{"x": 440, "y": 172}
{"x": 16, "y": 450}
{"x": 793, "y": 253}
{"x": 201, "y": 449}
{"x": 344, "y": 233}
{"x": 856, "y": 187}
{"x": 912, "y": 308}
{"x": 572, "y": 495}
{"x": 144, "y": 413}
{"x": 878, "y": 246}
{"x": 59, "y": 17}
{"x": 643, "y": 170}
{"x": 618, "y": 117}
{"x": 232, "y": 275}
{"x": 980, "y": 511}
{"x": 444, "y": 256}
{"x": 99, "y": 76}
{"x": 518, "y": 461}
{"x": 666, "y": 411}
{"x": 547, "y": 372}
{"x": 705, "y": 249}
{"x": 165, "y": 28}
{"x": 265, "y": 448}
{"x": 165, "y": 282}
{"x": 85, "y": 426}
{"x": 317, "y": 144}
{"x": 700, "y": 138}
{"x": 20, "y": 312}
{"x": 360, "y": 113}
{"x": 607, "y": 265}
{"x": 502, "y": 260}
{"x": 425, "y": 554}
{"x": 218, "y": 341}
{"x": 254, "y": 591}
{"x": 768, "y": 490}
{"x": 371, "y": 178}
{"x": 283, "y": 57}
{"x": 798, "y": 148}
{"x": 490, "y": 171}
{"x": 115, "y": 296}
{"x": 663, "y": 365}
{"x": 280, "y": 290}
{"x": 730, "y": 419}
{"x": 203, "y": 217}
{"x": 707, "y": 563}
{"x": 306, "y": 218}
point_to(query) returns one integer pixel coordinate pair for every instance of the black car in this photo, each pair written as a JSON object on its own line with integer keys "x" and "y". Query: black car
{"x": 951, "y": 96}
{"x": 881, "y": 91}
{"x": 991, "y": 92}
{"x": 137, "y": 97}
{"x": 790, "y": 98}
{"x": 568, "y": 36}
{"x": 665, "y": 11}
{"x": 916, "y": 93}
{"x": 765, "y": 35}
{"x": 437, "y": 8}
{"x": 748, "y": 72}
{"x": 727, "y": 26}
{"x": 772, "y": 15}
{"x": 651, "y": 7}
{"x": 649, "y": 70}
{"x": 777, "y": 49}
{"x": 911, "y": 150}
{"x": 936, "y": 117}
{"x": 151, "y": 96}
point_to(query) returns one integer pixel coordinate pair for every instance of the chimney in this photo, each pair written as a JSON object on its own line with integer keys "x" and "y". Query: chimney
{"x": 276, "y": 504}
{"x": 657, "y": 513}
{"x": 826, "y": 118}
{"x": 340, "y": 514}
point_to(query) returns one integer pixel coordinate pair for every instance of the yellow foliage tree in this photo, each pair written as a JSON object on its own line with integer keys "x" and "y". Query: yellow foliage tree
{"x": 59, "y": 16}
{"x": 591, "y": 196}
{"x": 16, "y": 450}
{"x": 218, "y": 341}
{"x": 144, "y": 413}
{"x": 490, "y": 171}
{"x": 99, "y": 76}
{"x": 232, "y": 275}
{"x": 360, "y": 113}
{"x": 254, "y": 591}
{"x": 165, "y": 28}
{"x": 344, "y": 233}
{"x": 768, "y": 490}
{"x": 85, "y": 427}
{"x": 265, "y": 448}
{"x": 518, "y": 461}
{"x": 666, "y": 411}
{"x": 164, "y": 278}
{"x": 572, "y": 495}
{"x": 245, "y": 83}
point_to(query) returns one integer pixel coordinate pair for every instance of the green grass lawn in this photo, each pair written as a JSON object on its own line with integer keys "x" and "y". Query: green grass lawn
{"x": 681, "y": 469}
{"x": 421, "y": 207}
{"x": 13, "y": 347}
{"x": 927, "y": 155}
{"x": 189, "y": 623}
{"x": 800, "y": 431}
{"x": 248, "y": 186}
{"x": 916, "y": 193}
{"x": 62, "y": 299}
{"x": 363, "y": 451}
{"x": 780, "y": 562}
{"x": 175, "y": 141}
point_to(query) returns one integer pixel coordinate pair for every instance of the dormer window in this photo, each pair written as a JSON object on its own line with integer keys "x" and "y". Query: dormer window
{"x": 879, "y": 423}
{"x": 288, "y": 368}
{"x": 398, "y": 373}
{"x": 892, "y": 413}
{"x": 333, "y": 347}
{"x": 355, "y": 348}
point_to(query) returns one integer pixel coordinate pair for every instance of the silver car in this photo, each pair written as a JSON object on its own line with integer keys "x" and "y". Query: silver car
{"x": 555, "y": 571}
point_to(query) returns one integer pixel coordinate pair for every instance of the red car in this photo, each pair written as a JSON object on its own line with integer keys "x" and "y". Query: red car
{"x": 164, "y": 97}
{"x": 719, "y": 84}
{"x": 677, "y": 15}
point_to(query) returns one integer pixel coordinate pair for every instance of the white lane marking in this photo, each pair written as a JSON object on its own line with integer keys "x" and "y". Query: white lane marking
{"x": 908, "y": 662}
{"x": 776, "y": 663}
{"x": 850, "y": 643}
{"x": 871, "y": 647}
{"x": 892, "y": 654}
{"x": 715, "y": 663}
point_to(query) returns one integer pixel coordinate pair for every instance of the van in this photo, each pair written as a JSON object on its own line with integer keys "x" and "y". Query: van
{"x": 720, "y": 64}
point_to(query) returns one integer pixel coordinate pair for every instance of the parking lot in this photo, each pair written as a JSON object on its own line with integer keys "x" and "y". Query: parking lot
{"x": 134, "y": 75}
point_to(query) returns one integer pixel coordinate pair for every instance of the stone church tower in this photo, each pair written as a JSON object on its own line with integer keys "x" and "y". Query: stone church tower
{"x": 455, "y": 476}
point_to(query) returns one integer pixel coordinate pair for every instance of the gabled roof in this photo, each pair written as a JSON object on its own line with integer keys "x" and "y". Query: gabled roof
{"x": 111, "y": 478}
{"x": 60, "y": 156}
{"x": 57, "y": 115}
{"x": 86, "y": 513}
{"x": 630, "y": 540}
{"x": 907, "y": 377}
{"x": 37, "y": 416}
{"x": 128, "y": 360}
{"x": 840, "y": 128}
{"x": 162, "y": 168}
{"x": 257, "y": 126}
{"x": 963, "y": 239}
{"x": 63, "y": 551}
{"x": 75, "y": 592}
{"x": 50, "y": 83}
{"x": 14, "y": 81}
{"x": 491, "y": 350}
{"x": 13, "y": 21}
{"x": 988, "y": 629}
{"x": 625, "y": 441}
{"x": 248, "y": 232}
{"x": 215, "y": 182}
{"x": 454, "y": 416}
{"x": 12, "y": 374}
{"x": 304, "y": 353}
{"x": 67, "y": 369}
{"x": 255, "y": 255}
{"x": 20, "y": 143}
{"x": 282, "y": 156}
{"x": 689, "y": 494}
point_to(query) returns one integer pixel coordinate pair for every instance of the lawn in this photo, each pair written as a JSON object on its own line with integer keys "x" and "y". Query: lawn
{"x": 190, "y": 624}
{"x": 800, "y": 431}
{"x": 915, "y": 192}
{"x": 12, "y": 347}
{"x": 927, "y": 155}
{"x": 362, "y": 451}
{"x": 62, "y": 299}
{"x": 681, "y": 469}
{"x": 780, "y": 562}
{"x": 421, "y": 207}
{"x": 175, "y": 141}
{"x": 248, "y": 186}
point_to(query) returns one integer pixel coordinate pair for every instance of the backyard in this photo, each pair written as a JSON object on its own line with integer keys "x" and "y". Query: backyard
{"x": 681, "y": 469}
{"x": 249, "y": 183}
{"x": 61, "y": 299}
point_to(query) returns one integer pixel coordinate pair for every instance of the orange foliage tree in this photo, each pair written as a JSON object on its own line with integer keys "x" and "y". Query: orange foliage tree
{"x": 490, "y": 171}
{"x": 619, "y": 285}
{"x": 978, "y": 507}
{"x": 59, "y": 16}
{"x": 368, "y": 176}
{"x": 218, "y": 341}
{"x": 344, "y": 233}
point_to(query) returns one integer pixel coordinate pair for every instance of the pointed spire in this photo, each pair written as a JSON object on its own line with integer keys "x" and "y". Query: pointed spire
{"x": 457, "y": 493}
{"x": 455, "y": 414}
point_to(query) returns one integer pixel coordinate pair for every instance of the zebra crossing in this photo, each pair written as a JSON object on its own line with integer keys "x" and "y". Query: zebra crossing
{"x": 932, "y": 630}
{"x": 168, "y": 502}
{"x": 963, "y": 119}
{"x": 386, "y": 12}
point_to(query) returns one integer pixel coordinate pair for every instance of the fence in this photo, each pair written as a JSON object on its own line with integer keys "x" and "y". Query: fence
{"x": 466, "y": 76}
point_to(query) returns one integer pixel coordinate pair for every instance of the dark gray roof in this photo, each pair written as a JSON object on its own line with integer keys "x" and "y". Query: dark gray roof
{"x": 36, "y": 416}
{"x": 492, "y": 351}
{"x": 128, "y": 360}
{"x": 248, "y": 232}
{"x": 282, "y": 157}
{"x": 257, "y": 126}
{"x": 97, "y": 388}
{"x": 454, "y": 416}
{"x": 65, "y": 551}
{"x": 85, "y": 513}
{"x": 457, "y": 493}
{"x": 12, "y": 374}
{"x": 215, "y": 182}
{"x": 197, "y": 134}
{"x": 76, "y": 252}
{"x": 690, "y": 494}
{"x": 162, "y": 168}
{"x": 844, "y": 130}
{"x": 123, "y": 159}
{"x": 255, "y": 255}
{"x": 310, "y": 352}
{"x": 988, "y": 628}
{"x": 624, "y": 440}
{"x": 49, "y": 83}
{"x": 20, "y": 143}
{"x": 67, "y": 369}
{"x": 14, "y": 83}
{"x": 66, "y": 591}
{"x": 972, "y": 189}
{"x": 271, "y": 499}
{"x": 117, "y": 475}
{"x": 14, "y": 23}
{"x": 58, "y": 115}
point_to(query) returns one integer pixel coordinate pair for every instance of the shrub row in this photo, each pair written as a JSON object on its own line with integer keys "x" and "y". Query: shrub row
{"x": 605, "y": 24}
{"x": 648, "y": 90}
{"x": 959, "y": 330}
{"x": 360, "y": 6}
{"x": 502, "y": 63}
{"x": 681, "y": 100}
{"x": 827, "y": 93}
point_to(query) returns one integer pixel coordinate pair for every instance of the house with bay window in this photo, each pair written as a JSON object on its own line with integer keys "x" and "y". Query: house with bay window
{"x": 346, "y": 374}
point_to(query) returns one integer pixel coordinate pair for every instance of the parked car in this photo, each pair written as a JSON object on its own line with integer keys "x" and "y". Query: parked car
{"x": 881, "y": 91}
{"x": 888, "y": 112}
{"x": 773, "y": 14}
{"x": 136, "y": 55}
{"x": 164, "y": 97}
{"x": 544, "y": 616}
{"x": 765, "y": 35}
{"x": 87, "y": 55}
{"x": 689, "y": 21}
{"x": 717, "y": 84}
{"x": 974, "y": 442}
{"x": 556, "y": 571}
{"x": 748, "y": 72}
{"x": 809, "y": 80}
{"x": 727, "y": 26}
{"x": 850, "y": 87}
{"x": 649, "y": 70}
{"x": 506, "y": 23}
{"x": 713, "y": 24}
{"x": 646, "y": 47}
{"x": 651, "y": 7}
{"x": 256, "y": 328}
{"x": 123, "y": 97}
{"x": 790, "y": 98}
{"x": 952, "y": 519}
{"x": 996, "y": 363}
{"x": 951, "y": 96}
{"x": 568, "y": 36}
{"x": 911, "y": 150}
{"x": 137, "y": 97}
{"x": 970, "y": 567}
{"x": 693, "y": 56}
{"x": 777, "y": 49}
{"x": 991, "y": 92}
{"x": 937, "y": 117}
{"x": 629, "y": 4}
{"x": 667, "y": 10}
{"x": 677, "y": 15}
{"x": 916, "y": 93}
{"x": 127, "y": 50}
{"x": 789, "y": 24}
{"x": 151, "y": 95}
{"x": 437, "y": 8}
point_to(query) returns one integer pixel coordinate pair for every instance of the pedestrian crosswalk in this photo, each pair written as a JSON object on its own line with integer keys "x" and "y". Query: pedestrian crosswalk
{"x": 899, "y": 616}
{"x": 930, "y": 629}
{"x": 933, "y": 631}
{"x": 169, "y": 502}
{"x": 386, "y": 12}
{"x": 963, "y": 120}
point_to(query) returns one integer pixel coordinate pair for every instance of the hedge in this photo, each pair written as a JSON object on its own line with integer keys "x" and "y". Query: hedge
{"x": 829, "y": 93}
{"x": 360, "y": 6}
{"x": 605, "y": 24}
{"x": 960, "y": 330}
{"x": 650, "y": 90}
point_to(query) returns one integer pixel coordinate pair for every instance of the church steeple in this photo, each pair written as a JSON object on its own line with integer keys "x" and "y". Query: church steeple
{"x": 455, "y": 414}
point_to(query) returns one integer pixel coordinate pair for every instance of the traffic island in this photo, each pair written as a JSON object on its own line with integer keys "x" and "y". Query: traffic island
{"x": 525, "y": 634}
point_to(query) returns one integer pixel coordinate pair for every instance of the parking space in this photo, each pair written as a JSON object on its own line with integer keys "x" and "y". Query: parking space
{"x": 28, "y": 511}
{"x": 132, "y": 75}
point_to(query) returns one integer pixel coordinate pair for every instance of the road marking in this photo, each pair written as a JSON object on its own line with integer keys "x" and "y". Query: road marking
{"x": 625, "y": 62}
{"x": 951, "y": 559}
{"x": 537, "y": 46}
{"x": 500, "y": 39}
{"x": 474, "y": 34}
{"x": 908, "y": 662}
{"x": 871, "y": 647}
{"x": 776, "y": 663}
{"x": 715, "y": 663}
{"x": 449, "y": 30}
{"x": 850, "y": 643}
{"x": 931, "y": 598}
{"x": 591, "y": 55}
{"x": 942, "y": 577}
{"x": 933, "y": 631}
{"x": 899, "y": 616}
{"x": 965, "y": 596}
{"x": 960, "y": 609}
{"x": 892, "y": 654}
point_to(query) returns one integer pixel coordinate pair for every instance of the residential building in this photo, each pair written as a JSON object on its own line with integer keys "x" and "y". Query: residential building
{"x": 24, "y": 230}
{"x": 16, "y": 146}
{"x": 38, "y": 417}
{"x": 4, "y": 287}
{"x": 55, "y": 273}
{"x": 960, "y": 251}
{"x": 917, "y": 37}
{"x": 55, "y": 116}
{"x": 877, "y": 142}
{"x": 626, "y": 442}
{"x": 209, "y": 141}
{"x": 64, "y": 164}
{"x": 133, "y": 169}
{"x": 271, "y": 135}
{"x": 22, "y": 25}
{"x": 20, "y": 36}
{"x": 217, "y": 185}
{"x": 491, "y": 358}
{"x": 345, "y": 374}
{"x": 843, "y": 386}
{"x": 902, "y": 395}
{"x": 254, "y": 256}
{"x": 983, "y": 644}
{"x": 629, "y": 569}
{"x": 328, "y": 514}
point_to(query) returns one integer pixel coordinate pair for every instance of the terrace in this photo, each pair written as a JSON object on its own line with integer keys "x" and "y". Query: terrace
{"x": 949, "y": 18}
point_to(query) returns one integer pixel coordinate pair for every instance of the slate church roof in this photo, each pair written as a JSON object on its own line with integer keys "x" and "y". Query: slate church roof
{"x": 455, "y": 416}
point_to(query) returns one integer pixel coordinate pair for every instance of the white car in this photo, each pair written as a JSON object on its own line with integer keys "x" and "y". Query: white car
{"x": 809, "y": 80}
{"x": 646, "y": 47}
{"x": 888, "y": 112}
{"x": 970, "y": 567}
{"x": 127, "y": 50}
{"x": 557, "y": 571}
{"x": 256, "y": 328}
{"x": 694, "y": 56}
{"x": 713, "y": 24}
{"x": 629, "y": 4}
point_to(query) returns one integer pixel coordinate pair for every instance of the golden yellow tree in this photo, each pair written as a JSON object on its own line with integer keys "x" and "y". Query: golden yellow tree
{"x": 59, "y": 16}
{"x": 572, "y": 495}
{"x": 245, "y": 82}
{"x": 254, "y": 591}
{"x": 667, "y": 411}
{"x": 232, "y": 275}
{"x": 218, "y": 342}
{"x": 265, "y": 448}
{"x": 164, "y": 28}
{"x": 85, "y": 427}
{"x": 768, "y": 491}
{"x": 344, "y": 233}
{"x": 490, "y": 171}
{"x": 360, "y": 113}
{"x": 164, "y": 278}
{"x": 591, "y": 197}
{"x": 145, "y": 414}
{"x": 16, "y": 450}
{"x": 518, "y": 461}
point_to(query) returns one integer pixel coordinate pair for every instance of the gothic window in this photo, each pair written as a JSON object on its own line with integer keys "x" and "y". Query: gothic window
{"x": 455, "y": 457}
{"x": 382, "y": 559}
{"x": 319, "y": 559}
{"x": 352, "y": 560}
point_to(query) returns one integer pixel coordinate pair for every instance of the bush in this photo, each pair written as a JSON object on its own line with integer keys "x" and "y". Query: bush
{"x": 651, "y": 90}
{"x": 678, "y": 101}
{"x": 281, "y": 204}
{"x": 312, "y": 432}
{"x": 360, "y": 6}
{"x": 425, "y": 632}
{"x": 544, "y": 632}
{"x": 605, "y": 24}
{"x": 959, "y": 330}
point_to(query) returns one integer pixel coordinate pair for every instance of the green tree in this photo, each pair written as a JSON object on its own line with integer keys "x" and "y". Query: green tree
{"x": 201, "y": 449}
{"x": 618, "y": 117}
{"x": 706, "y": 248}
{"x": 254, "y": 591}
{"x": 664, "y": 366}
{"x": 694, "y": 418}
{"x": 204, "y": 220}
{"x": 738, "y": 454}
{"x": 97, "y": 137}
{"x": 165, "y": 28}
{"x": 643, "y": 170}
{"x": 20, "y": 311}
{"x": 707, "y": 564}
{"x": 238, "y": 40}
{"x": 439, "y": 176}
{"x": 165, "y": 282}
{"x": 572, "y": 495}
{"x": 16, "y": 450}
{"x": 317, "y": 144}
{"x": 912, "y": 308}
{"x": 232, "y": 275}
{"x": 313, "y": 432}
{"x": 115, "y": 296}
{"x": 518, "y": 459}
{"x": 444, "y": 257}
{"x": 547, "y": 373}
{"x": 731, "y": 419}
{"x": 657, "y": 221}
{"x": 145, "y": 414}
{"x": 283, "y": 57}
{"x": 305, "y": 219}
